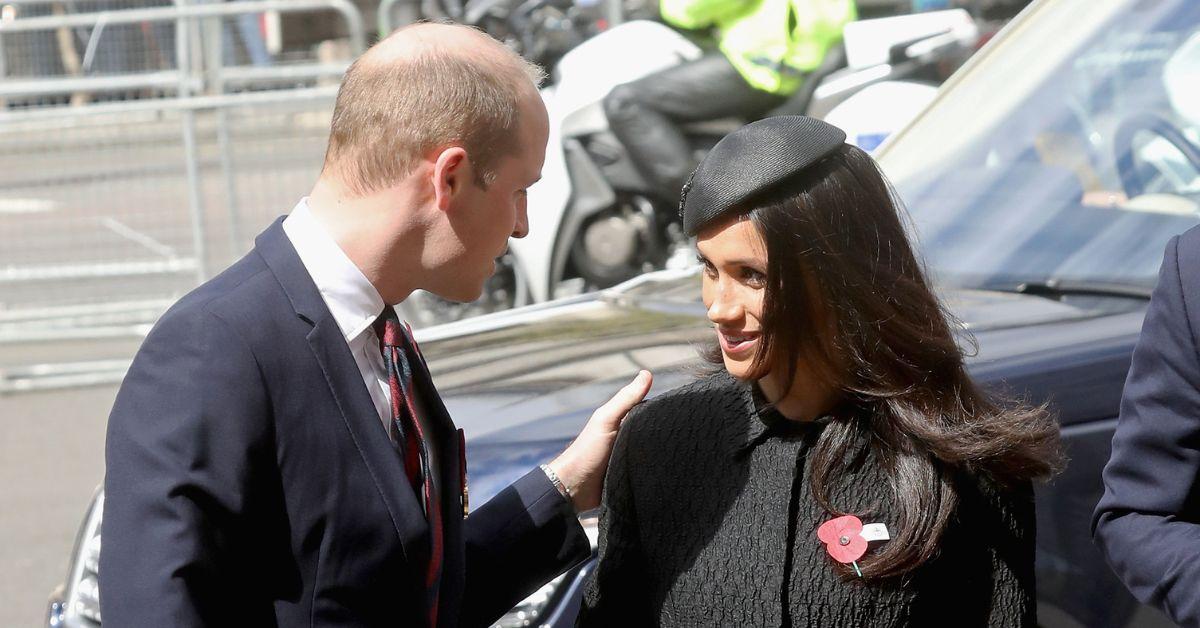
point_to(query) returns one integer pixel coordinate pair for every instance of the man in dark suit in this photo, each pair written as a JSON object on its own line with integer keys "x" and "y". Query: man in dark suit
{"x": 1147, "y": 524}
{"x": 277, "y": 454}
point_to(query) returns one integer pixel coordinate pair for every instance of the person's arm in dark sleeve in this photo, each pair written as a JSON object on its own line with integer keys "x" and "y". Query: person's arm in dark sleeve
{"x": 528, "y": 533}
{"x": 179, "y": 500}
{"x": 1145, "y": 524}
{"x": 519, "y": 540}
{"x": 1011, "y": 529}
{"x": 616, "y": 595}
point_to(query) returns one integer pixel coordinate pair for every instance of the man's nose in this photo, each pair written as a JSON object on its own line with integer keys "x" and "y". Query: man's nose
{"x": 521, "y": 229}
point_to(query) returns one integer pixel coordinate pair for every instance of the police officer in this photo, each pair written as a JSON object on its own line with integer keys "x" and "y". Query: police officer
{"x": 765, "y": 48}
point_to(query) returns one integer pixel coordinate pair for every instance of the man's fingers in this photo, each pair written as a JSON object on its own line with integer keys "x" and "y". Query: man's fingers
{"x": 629, "y": 396}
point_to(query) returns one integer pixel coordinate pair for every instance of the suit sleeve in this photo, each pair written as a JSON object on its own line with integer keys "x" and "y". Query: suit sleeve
{"x": 183, "y": 437}
{"x": 1145, "y": 524}
{"x": 519, "y": 540}
{"x": 616, "y": 595}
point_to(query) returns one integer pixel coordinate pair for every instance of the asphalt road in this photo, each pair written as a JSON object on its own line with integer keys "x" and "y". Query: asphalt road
{"x": 51, "y": 460}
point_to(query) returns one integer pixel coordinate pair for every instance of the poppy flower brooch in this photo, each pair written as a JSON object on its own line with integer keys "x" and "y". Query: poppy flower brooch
{"x": 846, "y": 538}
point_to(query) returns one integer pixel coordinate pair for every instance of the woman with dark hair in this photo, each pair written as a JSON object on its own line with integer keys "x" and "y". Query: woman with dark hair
{"x": 842, "y": 469}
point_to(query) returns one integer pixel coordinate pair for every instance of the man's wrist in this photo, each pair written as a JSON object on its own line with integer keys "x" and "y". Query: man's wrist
{"x": 562, "y": 488}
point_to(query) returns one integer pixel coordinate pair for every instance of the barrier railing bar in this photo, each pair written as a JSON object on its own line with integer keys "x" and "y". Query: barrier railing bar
{"x": 184, "y": 43}
{"x": 99, "y": 372}
{"x": 236, "y": 75}
{"x": 65, "y": 368}
{"x": 211, "y": 29}
{"x": 193, "y": 103}
{"x": 31, "y": 3}
{"x": 51, "y": 86}
{"x": 91, "y": 332}
{"x": 118, "y": 319}
{"x": 93, "y": 270}
{"x": 298, "y": 71}
{"x": 354, "y": 21}
{"x": 39, "y": 314}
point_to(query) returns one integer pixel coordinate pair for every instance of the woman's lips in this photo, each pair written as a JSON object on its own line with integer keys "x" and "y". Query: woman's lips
{"x": 737, "y": 344}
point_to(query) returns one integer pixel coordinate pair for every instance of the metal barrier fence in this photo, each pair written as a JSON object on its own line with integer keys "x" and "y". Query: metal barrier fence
{"x": 112, "y": 210}
{"x": 195, "y": 46}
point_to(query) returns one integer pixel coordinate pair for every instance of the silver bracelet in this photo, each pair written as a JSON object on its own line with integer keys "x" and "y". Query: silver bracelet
{"x": 558, "y": 483}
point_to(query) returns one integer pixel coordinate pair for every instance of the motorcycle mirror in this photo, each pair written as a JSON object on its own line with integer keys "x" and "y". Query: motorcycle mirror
{"x": 899, "y": 52}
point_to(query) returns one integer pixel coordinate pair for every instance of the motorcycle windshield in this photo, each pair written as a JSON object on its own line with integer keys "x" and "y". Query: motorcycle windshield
{"x": 1065, "y": 150}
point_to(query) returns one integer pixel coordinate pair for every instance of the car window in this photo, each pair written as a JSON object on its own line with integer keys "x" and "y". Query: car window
{"x": 1065, "y": 151}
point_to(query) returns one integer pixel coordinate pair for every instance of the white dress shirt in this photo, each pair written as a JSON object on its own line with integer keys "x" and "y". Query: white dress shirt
{"x": 355, "y": 304}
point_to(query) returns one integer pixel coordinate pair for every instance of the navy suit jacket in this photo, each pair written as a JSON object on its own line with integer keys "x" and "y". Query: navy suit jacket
{"x": 250, "y": 481}
{"x": 1147, "y": 524}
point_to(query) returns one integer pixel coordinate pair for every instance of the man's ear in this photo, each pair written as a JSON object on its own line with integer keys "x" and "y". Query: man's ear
{"x": 450, "y": 174}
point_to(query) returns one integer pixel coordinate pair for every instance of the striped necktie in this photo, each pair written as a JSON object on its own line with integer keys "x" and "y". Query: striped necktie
{"x": 396, "y": 347}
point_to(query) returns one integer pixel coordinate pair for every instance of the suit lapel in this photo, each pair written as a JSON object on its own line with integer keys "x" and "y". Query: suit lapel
{"x": 346, "y": 386}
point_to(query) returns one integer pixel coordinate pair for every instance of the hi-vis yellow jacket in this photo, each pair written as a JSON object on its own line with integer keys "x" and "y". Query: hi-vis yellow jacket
{"x": 772, "y": 43}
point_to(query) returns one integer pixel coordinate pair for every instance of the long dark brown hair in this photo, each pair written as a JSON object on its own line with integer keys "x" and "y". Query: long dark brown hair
{"x": 884, "y": 340}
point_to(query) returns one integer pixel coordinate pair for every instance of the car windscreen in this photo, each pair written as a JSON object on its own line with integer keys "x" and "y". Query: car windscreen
{"x": 1066, "y": 151}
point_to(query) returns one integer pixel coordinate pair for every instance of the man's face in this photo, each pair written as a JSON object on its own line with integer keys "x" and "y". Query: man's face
{"x": 484, "y": 219}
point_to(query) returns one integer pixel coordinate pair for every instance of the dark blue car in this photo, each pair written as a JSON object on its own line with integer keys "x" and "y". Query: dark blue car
{"x": 1043, "y": 184}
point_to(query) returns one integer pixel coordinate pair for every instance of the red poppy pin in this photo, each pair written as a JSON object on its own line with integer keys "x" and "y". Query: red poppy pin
{"x": 846, "y": 538}
{"x": 843, "y": 540}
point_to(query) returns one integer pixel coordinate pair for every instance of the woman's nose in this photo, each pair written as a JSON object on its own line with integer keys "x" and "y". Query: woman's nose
{"x": 725, "y": 308}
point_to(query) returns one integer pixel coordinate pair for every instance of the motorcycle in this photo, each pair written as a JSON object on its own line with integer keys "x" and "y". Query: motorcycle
{"x": 596, "y": 222}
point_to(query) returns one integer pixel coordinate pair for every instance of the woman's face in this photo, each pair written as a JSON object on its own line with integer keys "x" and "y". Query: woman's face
{"x": 735, "y": 276}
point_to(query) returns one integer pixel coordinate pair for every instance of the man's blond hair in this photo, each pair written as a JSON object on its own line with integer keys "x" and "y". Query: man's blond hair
{"x": 394, "y": 109}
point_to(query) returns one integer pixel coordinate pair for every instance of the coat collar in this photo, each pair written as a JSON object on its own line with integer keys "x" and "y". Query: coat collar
{"x": 351, "y": 298}
{"x": 281, "y": 257}
{"x": 762, "y": 421}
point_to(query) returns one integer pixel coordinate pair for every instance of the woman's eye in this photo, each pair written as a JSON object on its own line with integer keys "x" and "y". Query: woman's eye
{"x": 753, "y": 276}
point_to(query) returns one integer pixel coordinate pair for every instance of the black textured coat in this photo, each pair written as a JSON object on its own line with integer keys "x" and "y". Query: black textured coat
{"x": 708, "y": 520}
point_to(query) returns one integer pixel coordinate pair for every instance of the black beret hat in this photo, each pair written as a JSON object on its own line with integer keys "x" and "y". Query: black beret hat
{"x": 752, "y": 161}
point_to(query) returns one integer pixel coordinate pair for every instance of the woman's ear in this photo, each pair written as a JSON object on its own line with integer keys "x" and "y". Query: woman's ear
{"x": 450, "y": 173}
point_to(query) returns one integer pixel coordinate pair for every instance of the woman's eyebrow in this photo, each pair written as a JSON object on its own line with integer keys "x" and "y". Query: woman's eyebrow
{"x": 738, "y": 261}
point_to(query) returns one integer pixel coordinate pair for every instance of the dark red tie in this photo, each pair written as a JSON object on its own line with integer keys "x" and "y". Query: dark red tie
{"x": 396, "y": 347}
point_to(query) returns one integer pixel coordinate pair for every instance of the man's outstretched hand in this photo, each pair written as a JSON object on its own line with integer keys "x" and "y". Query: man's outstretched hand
{"x": 583, "y": 465}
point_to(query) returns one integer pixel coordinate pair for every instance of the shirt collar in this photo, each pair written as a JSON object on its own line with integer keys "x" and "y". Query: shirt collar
{"x": 350, "y": 297}
{"x": 765, "y": 421}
